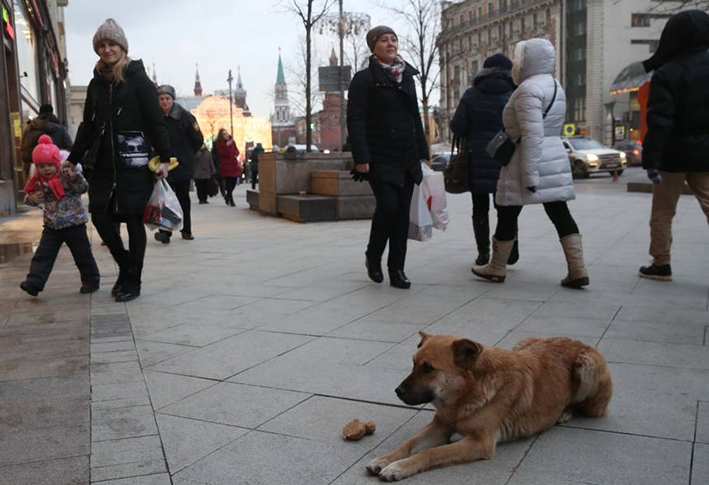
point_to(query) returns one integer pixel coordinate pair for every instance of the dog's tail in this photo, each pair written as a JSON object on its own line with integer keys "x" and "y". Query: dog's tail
{"x": 594, "y": 386}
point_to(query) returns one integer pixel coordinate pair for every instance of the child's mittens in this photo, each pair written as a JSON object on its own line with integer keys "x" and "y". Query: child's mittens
{"x": 355, "y": 430}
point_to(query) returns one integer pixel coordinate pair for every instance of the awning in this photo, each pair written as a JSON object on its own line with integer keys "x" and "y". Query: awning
{"x": 630, "y": 79}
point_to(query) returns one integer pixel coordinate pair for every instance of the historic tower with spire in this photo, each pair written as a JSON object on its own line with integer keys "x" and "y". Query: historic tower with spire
{"x": 240, "y": 94}
{"x": 282, "y": 120}
{"x": 197, "y": 83}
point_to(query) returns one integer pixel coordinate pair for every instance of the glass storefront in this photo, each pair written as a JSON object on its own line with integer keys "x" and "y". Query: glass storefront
{"x": 26, "y": 41}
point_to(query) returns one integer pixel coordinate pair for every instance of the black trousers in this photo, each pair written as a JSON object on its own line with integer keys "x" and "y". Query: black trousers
{"x": 132, "y": 260}
{"x": 202, "y": 186}
{"x": 254, "y": 179}
{"x": 229, "y": 184}
{"x": 390, "y": 223}
{"x": 52, "y": 239}
{"x": 558, "y": 213}
{"x": 182, "y": 191}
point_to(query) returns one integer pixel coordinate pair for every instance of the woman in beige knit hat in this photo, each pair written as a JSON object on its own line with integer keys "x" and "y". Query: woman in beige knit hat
{"x": 123, "y": 126}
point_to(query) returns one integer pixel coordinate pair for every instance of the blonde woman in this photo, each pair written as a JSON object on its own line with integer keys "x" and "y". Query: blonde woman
{"x": 122, "y": 123}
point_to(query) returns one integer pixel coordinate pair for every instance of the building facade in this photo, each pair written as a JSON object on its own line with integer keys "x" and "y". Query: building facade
{"x": 594, "y": 39}
{"x": 33, "y": 71}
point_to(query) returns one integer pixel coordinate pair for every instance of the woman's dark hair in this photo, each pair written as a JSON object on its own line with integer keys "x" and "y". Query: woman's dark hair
{"x": 221, "y": 136}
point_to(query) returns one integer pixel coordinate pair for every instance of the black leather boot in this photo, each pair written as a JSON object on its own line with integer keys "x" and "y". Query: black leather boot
{"x": 131, "y": 286}
{"x": 481, "y": 228}
{"x": 374, "y": 270}
{"x": 398, "y": 279}
{"x": 514, "y": 255}
{"x": 122, "y": 262}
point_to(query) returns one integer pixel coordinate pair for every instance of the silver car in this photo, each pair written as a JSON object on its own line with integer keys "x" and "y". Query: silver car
{"x": 588, "y": 156}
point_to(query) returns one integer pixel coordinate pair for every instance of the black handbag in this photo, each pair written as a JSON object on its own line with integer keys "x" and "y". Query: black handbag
{"x": 455, "y": 174}
{"x": 88, "y": 161}
{"x": 502, "y": 147}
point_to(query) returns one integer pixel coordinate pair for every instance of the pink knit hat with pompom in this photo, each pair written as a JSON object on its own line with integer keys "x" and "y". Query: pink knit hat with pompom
{"x": 46, "y": 152}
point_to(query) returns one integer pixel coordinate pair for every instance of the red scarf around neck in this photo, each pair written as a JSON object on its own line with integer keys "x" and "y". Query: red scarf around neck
{"x": 54, "y": 183}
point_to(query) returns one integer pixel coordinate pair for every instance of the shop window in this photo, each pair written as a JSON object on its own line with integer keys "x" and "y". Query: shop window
{"x": 26, "y": 40}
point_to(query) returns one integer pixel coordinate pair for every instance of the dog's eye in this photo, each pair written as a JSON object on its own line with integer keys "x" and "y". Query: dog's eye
{"x": 426, "y": 368}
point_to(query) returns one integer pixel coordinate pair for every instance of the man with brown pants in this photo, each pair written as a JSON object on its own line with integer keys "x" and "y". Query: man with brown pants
{"x": 676, "y": 147}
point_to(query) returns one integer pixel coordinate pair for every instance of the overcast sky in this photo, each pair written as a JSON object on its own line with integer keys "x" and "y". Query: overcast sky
{"x": 218, "y": 34}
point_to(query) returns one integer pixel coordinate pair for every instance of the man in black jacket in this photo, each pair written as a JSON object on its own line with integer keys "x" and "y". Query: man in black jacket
{"x": 44, "y": 124}
{"x": 186, "y": 139}
{"x": 676, "y": 147}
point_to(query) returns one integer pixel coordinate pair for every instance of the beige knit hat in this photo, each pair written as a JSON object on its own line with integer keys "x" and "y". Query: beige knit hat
{"x": 110, "y": 30}
{"x": 374, "y": 35}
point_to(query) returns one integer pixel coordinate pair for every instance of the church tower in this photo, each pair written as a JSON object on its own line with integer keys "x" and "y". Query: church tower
{"x": 197, "y": 83}
{"x": 282, "y": 122}
{"x": 240, "y": 94}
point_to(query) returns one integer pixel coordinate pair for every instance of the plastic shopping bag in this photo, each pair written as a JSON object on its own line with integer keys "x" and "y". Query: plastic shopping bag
{"x": 436, "y": 188}
{"x": 420, "y": 221}
{"x": 163, "y": 210}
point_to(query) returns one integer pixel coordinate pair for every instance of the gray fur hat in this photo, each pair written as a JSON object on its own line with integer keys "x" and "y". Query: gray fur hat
{"x": 167, "y": 89}
{"x": 110, "y": 30}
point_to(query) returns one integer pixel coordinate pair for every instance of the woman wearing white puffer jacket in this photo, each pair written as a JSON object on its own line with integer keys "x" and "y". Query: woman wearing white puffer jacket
{"x": 539, "y": 172}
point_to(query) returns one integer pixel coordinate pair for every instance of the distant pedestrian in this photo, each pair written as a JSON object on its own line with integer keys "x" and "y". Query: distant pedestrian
{"x": 122, "y": 116}
{"x": 478, "y": 119}
{"x": 229, "y": 164}
{"x": 218, "y": 168}
{"x": 204, "y": 173}
{"x": 388, "y": 146}
{"x": 58, "y": 191}
{"x": 44, "y": 124}
{"x": 185, "y": 139}
{"x": 676, "y": 146}
{"x": 254, "y": 164}
{"x": 539, "y": 172}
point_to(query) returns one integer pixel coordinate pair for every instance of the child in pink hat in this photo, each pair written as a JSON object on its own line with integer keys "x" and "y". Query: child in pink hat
{"x": 58, "y": 191}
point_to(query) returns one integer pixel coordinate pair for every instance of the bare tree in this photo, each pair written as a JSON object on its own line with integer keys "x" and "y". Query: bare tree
{"x": 296, "y": 72}
{"x": 674, "y": 6}
{"x": 423, "y": 17}
{"x": 309, "y": 13}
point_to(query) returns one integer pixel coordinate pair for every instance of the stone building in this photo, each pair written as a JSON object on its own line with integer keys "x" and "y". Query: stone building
{"x": 33, "y": 71}
{"x": 595, "y": 40}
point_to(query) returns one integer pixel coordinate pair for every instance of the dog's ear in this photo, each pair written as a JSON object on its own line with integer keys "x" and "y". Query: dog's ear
{"x": 424, "y": 337}
{"x": 466, "y": 352}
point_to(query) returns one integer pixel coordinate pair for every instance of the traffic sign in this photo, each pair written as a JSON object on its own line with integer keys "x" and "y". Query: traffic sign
{"x": 569, "y": 129}
{"x": 619, "y": 132}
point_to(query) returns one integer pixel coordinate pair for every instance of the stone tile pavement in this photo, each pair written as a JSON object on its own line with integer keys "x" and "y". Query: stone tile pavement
{"x": 255, "y": 343}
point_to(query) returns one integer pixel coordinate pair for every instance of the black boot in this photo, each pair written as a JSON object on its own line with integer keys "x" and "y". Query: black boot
{"x": 481, "y": 228}
{"x": 398, "y": 279}
{"x": 122, "y": 262}
{"x": 374, "y": 270}
{"x": 131, "y": 286}
{"x": 514, "y": 255}
{"x": 163, "y": 237}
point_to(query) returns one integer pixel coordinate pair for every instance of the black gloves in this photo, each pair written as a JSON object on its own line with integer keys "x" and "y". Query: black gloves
{"x": 358, "y": 176}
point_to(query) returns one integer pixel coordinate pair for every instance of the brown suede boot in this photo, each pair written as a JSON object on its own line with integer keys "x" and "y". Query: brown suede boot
{"x": 573, "y": 250}
{"x": 496, "y": 270}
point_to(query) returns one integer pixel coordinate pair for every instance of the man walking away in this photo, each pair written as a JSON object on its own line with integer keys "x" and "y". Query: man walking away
{"x": 254, "y": 164}
{"x": 185, "y": 139}
{"x": 44, "y": 124}
{"x": 677, "y": 141}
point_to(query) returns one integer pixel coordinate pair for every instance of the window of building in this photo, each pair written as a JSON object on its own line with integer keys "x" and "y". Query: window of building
{"x": 470, "y": 17}
{"x": 548, "y": 17}
{"x": 534, "y": 21}
{"x": 490, "y": 8}
{"x": 640, "y": 20}
{"x": 522, "y": 25}
{"x": 480, "y": 12}
{"x": 26, "y": 39}
{"x": 480, "y": 39}
{"x": 501, "y": 31}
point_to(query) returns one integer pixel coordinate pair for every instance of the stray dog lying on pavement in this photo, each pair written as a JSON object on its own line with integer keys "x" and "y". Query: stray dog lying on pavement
{"x": 487, "y": 395}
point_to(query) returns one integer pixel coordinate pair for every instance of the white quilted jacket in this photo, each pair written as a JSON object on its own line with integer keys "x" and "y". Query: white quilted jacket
{"x": 540, "y": 159}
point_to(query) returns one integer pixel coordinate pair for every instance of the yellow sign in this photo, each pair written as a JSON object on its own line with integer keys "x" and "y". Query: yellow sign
{"x": 620, "y": 131}
{"x": 16, "y": 124}
{"x": 569, "y": 129}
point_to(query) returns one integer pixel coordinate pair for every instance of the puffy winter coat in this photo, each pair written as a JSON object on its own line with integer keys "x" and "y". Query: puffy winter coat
{"x": 677, "y": 138}
{"x": 228, "y": 162}
{"x": 44, "y": 124}
{"x": 384, "y": 125}
{"x": 540, "y": 159}
{"x": 478, "y": 119}
{"x": 204, "y": 167}
{"x": 185, "y": 139}
{"x": 134, "y": 126}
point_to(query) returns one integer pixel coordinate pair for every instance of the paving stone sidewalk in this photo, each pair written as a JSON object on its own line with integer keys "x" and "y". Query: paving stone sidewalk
{"x": 254, "y": 344}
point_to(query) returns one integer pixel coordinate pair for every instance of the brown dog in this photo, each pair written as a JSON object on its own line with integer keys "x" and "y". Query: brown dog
{"x": 488, "y": 394}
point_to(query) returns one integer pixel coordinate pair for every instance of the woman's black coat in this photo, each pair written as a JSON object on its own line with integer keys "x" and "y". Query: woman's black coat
{"x": 677, "y": 139}
{"x": 134, "y": 127}
{"x": 384, "y": 125}
{"x": 477, "y": 119}
{"x": 185, "y": 139}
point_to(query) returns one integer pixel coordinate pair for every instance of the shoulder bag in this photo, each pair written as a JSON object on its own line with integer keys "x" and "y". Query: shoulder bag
{"x": 455, "y": 175}
{"x": 501, "y": 147}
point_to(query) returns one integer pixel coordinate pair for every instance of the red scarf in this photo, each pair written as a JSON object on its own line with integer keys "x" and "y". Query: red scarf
{"x": 54, "y": 183}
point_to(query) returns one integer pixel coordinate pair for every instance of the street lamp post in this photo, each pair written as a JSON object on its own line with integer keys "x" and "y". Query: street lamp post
{"x": 231, "y": 115}
{"x": 341, "y": 32}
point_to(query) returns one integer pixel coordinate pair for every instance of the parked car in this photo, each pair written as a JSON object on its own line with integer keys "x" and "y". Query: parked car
{"x": 293, "y": 148}
{"x": 633, "y": 151}
{"x": 440, "y": 161}
{"x": 588, "y": 156}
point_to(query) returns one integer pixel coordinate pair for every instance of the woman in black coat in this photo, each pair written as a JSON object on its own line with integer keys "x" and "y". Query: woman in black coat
{"x": 122, "y": 117}
{"x": 478, "y": 119}
{"x": 388, "y": 146}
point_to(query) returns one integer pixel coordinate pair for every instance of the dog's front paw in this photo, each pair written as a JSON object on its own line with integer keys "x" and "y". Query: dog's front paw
{"x": 394, "y": 472}
{"x": 376, "y": 466}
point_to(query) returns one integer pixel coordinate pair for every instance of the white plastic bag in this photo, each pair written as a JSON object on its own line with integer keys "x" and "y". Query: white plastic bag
{"x": 420, "y": 221}
{"x": 163, "y": 210}
{"x": 436, "y": 188}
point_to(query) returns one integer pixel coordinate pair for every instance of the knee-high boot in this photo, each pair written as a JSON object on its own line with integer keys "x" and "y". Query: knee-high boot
{"x": 481, "y": 228}
{"x": 573, "y": 250}
{"x": 496, "y": 270}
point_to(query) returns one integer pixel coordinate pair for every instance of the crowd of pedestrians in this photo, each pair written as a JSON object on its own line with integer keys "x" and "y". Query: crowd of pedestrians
{"x": 127, "y": 120}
